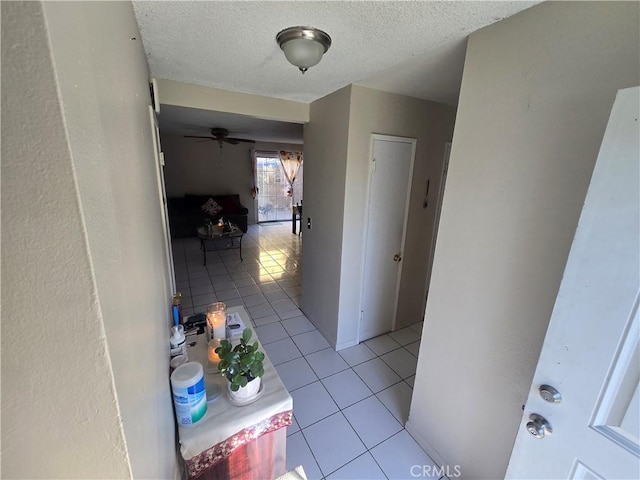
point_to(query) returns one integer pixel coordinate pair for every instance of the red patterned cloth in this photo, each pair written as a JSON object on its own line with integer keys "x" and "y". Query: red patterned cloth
{"x": 201, "y": 462}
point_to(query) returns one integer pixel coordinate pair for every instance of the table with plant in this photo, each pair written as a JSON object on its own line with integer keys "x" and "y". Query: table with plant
{"x": 247, "y": 420}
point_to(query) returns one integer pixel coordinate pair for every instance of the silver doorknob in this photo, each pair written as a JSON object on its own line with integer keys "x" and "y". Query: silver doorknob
{"x": 538, "y": 426}
{"x": 550, "y": 394}
{"x": 397, "y": 258}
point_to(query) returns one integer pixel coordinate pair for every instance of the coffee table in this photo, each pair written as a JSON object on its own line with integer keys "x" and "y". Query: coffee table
{"x": 215, "y": 239}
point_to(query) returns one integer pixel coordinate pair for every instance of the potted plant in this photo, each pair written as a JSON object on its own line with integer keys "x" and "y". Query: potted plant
{"x": 242, "y": 366}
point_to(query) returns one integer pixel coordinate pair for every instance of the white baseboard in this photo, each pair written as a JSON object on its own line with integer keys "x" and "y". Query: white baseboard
{"x": 343, "y": 345}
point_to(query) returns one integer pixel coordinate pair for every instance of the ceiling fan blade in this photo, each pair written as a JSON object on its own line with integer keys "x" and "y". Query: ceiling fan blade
{"x": 193, "y": 136}
{"x": 241, "y": 140}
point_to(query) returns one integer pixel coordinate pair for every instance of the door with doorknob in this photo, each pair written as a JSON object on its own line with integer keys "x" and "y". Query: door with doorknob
{"x": 582, "y": 415}
{"x": 389, "y": 188}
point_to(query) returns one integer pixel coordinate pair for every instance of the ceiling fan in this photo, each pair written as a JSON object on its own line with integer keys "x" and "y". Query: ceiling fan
{"x": 221, "y": 135}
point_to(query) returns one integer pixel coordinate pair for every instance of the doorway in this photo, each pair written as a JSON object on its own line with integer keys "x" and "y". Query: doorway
{"x": 391, "y": 170}
{"x": 586, "y": 388}
{"x": 275, "y": 196}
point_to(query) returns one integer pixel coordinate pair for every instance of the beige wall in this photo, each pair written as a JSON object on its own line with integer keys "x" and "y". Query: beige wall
{"x": 431, "y": 124}
{"x": 325, "y": 161}
{"x": 536, "y": 94}
{"x": 337, "y": 149}
{"x": 84, "y": 358}
{"x": 196, "y": 167}
{"x": 53, "y": 344}
{"x": 209, "y": 98}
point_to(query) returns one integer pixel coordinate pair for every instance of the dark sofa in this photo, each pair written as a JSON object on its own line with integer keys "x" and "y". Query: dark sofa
{"x": 186, "y": 214}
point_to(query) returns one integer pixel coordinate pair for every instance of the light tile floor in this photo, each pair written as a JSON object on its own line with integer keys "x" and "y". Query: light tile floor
{"x": 349, "y": 407}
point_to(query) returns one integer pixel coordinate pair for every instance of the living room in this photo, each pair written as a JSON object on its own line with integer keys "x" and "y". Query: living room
{"x": 204, "y": 166}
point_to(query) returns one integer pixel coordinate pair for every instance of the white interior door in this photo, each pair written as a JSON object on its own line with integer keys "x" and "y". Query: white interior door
{"x": 591, "y": 352}
{"x": 389, "y": 189}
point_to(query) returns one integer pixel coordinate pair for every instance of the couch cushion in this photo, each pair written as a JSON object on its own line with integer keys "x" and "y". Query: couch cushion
{"x": 211, "y": 207}
{"x": 229, "y": 203}
{"x": 196, "y": 201}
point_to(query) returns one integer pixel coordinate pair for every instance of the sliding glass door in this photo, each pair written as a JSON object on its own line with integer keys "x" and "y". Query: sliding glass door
{"x": 274, "y": 203}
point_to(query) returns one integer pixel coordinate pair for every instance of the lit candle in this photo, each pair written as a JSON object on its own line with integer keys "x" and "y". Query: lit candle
{"x": 219, "y": 325}
{"x": 217, "y": 320}
{"x": 213, "y": 356}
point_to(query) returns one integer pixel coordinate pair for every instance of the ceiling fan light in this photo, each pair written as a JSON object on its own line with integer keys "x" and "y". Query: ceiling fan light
{"x": 303, "y": 46}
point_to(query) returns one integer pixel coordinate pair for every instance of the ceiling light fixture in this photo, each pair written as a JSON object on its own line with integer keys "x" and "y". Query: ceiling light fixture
{"x": 303, "y": 46}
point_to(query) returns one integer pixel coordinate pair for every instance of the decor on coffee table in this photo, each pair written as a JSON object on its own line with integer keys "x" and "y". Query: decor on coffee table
{"x": 214, "y": 238}
{"x": 242, "y": 366}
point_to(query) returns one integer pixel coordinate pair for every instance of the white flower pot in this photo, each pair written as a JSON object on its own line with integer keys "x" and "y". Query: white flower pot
{"x": 245, "y": 394}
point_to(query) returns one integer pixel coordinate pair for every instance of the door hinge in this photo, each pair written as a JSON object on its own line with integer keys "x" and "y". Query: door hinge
{"x": 373, "y": 166}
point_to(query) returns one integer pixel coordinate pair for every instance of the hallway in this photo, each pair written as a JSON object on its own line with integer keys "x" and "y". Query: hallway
{"x": 349, "y": 407}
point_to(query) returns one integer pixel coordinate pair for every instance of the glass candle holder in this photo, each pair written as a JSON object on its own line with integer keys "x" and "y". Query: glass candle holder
{"x": 216, "y": 321}
{"x": 212, "y": 356}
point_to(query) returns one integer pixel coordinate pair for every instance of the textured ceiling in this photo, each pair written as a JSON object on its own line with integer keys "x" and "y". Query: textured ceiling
{"x": 413, "y": 48}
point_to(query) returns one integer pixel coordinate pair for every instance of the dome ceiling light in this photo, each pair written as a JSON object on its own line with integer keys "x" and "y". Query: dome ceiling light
{"x": 303, "y": 46}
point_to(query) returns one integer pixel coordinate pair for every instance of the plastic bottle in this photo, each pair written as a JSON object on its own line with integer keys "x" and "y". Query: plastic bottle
{"x": 175, "y": 312}
{"x": 177, "y": 341}
{"x": 176, "y": 306}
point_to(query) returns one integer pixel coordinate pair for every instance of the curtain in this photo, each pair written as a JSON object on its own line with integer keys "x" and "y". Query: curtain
{"x": 291, "y": 162}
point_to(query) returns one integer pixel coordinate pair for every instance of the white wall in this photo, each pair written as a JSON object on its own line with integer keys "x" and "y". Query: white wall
{"x": 196, "y": 167}
{"x": 536, "y": 94}
{"x": 325, "y": 162}
{"x": 431, "y": 124}
{"x": 85, "y": 385}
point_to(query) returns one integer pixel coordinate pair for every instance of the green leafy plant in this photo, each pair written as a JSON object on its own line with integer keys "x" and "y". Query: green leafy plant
{"x": 242, "y": 363}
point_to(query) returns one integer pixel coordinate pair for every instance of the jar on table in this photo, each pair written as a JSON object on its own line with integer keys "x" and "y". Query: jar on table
{"x": 216, "y": 321}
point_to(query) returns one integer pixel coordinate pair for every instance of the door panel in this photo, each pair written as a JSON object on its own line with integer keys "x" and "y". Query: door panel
{"x": 388, "y": 199}
{"x": 616, "y": 415}
{"x": 590, "y": 353}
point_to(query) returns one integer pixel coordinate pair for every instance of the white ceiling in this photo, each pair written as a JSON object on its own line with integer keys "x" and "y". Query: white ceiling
{"x": 414, "y": 48}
